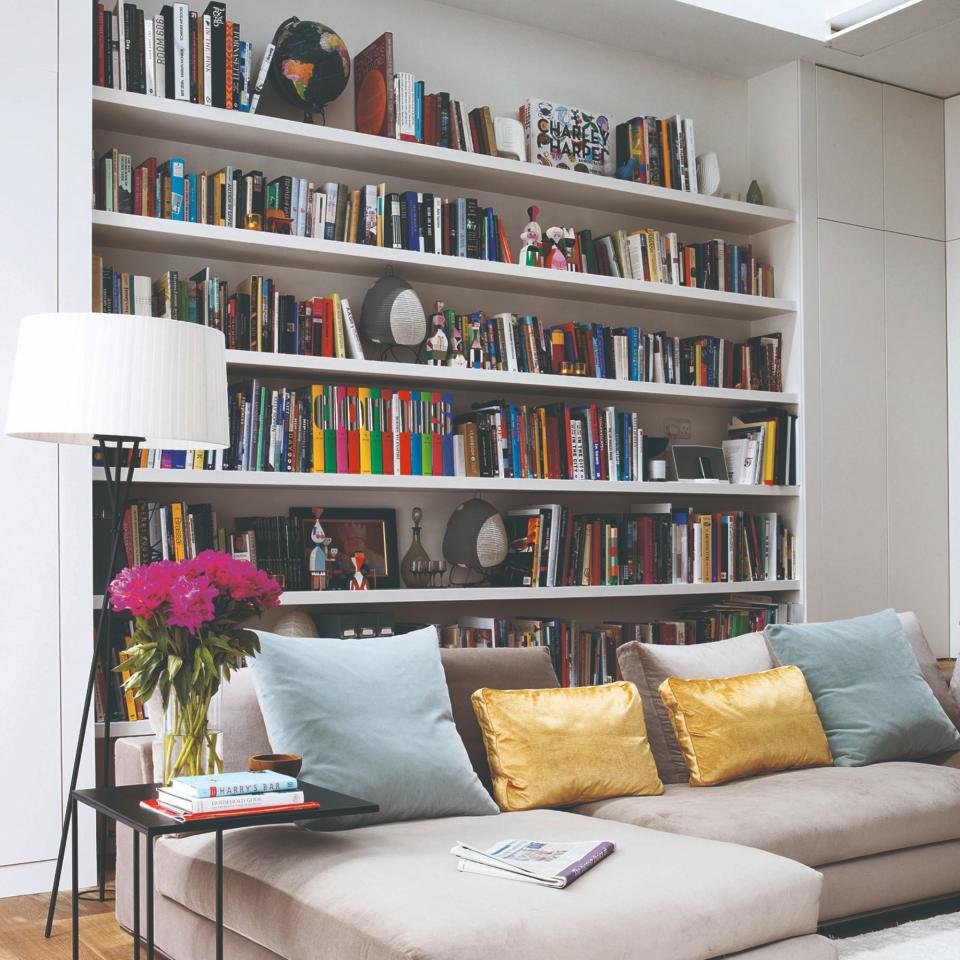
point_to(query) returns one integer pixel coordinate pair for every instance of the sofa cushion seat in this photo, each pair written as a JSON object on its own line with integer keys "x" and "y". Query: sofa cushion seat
{"x": 393, "y": 892}
{"x": 817, "y": 816}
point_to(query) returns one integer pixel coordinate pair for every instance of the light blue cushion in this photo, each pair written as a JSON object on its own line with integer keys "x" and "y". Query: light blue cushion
{"x": 371, "y": 718}
{"x": 871, "y": 696}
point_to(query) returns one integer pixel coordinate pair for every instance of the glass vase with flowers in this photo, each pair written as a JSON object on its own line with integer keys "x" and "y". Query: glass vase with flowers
{"x": 188, "y": 635}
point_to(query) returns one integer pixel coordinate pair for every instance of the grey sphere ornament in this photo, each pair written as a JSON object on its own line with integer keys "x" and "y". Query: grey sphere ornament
{"x": 475, "y": 537}
{"x": 392, "y": 314}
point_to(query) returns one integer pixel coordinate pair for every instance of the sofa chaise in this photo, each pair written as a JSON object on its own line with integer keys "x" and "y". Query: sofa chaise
{"x": 749, "y": 868}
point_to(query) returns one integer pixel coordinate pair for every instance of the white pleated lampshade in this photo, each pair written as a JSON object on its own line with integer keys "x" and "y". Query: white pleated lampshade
{"x": 80, "y": 375}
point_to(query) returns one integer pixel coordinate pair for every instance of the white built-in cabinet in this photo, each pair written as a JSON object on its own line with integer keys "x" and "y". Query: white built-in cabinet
{"x": 849, "y": 154}
{"x": 853, "y": 495}
{"x": 952, "y": 206}
{"x": 883, "y": 352}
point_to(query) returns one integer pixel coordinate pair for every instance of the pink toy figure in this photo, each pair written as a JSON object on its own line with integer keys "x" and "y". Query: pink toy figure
{"x": 555, "y": 258}
{"x": 531, "y": 251}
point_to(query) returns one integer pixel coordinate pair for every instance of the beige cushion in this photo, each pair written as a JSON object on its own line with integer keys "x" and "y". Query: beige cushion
{"x": 929, "y": 666}
{"x": 502, "y": 668}
{"x": 817, "y": 816}
{"x": 393, "y": 892}
{"x": 647, "y": 665}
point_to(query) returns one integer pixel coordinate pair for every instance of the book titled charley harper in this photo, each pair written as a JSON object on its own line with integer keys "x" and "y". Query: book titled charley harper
{"x": 568, "y": 137}
{"x": 550, "y": 864}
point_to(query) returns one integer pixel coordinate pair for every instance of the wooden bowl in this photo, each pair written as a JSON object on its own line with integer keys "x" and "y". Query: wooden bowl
{"x": 288, "y": 763}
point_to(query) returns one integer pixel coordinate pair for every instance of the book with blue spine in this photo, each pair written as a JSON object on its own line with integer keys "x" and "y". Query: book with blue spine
{"x": 231, "y": 784}
{"x": 177, "y": 169}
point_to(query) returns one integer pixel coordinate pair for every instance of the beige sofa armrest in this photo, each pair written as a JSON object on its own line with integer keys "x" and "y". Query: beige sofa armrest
{"x": 133, "y": 759}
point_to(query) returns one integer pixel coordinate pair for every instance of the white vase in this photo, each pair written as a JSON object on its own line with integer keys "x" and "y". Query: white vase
{"x": 708, "y": 173}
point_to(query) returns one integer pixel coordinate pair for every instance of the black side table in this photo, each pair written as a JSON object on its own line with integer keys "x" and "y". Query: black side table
{"x": 122, "y": 804}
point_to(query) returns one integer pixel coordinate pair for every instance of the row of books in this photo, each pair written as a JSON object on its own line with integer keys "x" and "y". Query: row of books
{"x": 581, "y": 656}
{"x": 186, "y": 798}
{"x": 521, "y": 343}
{"x": 255, "y": 317}
{"x": 552, "y": 442}
{"x": 178, "y": 54}
{"x": 155, "y": 531}
{"x": 648, "y": 254}
{"x": 585, "y": 655}
{"x": 715, "y": 621}
{"x": 652, "y": 544}
{"x": 659, "y": 152}
{"x": 408, "y": 220}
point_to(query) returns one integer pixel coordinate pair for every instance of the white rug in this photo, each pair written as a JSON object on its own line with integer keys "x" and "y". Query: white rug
{"x": 935, "y": 939}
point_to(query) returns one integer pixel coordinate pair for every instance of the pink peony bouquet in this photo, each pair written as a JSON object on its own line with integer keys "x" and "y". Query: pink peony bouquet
{"x": 188, "y": 636}
{"x": 192, "y": 593}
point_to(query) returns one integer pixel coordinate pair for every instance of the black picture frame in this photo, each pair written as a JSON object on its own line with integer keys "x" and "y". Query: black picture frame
{"x": 380, "y": 550}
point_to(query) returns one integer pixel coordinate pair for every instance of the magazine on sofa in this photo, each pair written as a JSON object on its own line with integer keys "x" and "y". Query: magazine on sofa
{"x": 551, "y": 864}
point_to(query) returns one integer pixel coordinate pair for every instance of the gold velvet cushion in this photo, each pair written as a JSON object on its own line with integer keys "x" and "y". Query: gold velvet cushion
{"x": 555, "y": 748}
{"x": 739, "y": 726}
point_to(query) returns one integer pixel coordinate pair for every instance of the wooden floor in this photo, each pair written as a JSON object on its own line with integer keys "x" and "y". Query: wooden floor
{"x": 21, "y": 930}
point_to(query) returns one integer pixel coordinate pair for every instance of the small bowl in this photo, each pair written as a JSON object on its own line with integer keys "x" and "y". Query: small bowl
{"x": 288, "y": 763}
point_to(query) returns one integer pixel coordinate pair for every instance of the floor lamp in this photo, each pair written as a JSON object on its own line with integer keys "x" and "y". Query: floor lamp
{"x": 123, "y": 384}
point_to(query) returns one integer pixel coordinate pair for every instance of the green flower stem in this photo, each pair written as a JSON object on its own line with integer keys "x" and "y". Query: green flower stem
{"x": 190, "y": 728}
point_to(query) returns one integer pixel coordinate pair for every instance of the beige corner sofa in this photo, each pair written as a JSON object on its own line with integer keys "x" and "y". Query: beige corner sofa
{"x": 746, "y": 869}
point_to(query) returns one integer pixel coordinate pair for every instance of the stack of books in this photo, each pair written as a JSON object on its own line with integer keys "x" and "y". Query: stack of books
{"x": 652, "y": 544}
{"x": 227, "y": 794}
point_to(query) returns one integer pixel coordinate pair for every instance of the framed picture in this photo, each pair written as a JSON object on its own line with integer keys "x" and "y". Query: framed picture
{"x": 336, "y": 538}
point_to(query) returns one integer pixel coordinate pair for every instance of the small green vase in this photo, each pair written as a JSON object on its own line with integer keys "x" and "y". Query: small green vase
{"x": 754, "y": 194}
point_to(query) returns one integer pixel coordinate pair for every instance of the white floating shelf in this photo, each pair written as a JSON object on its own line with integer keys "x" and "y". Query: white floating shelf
{"x": 175, "y": 238}
{"x": 124, "y": 728}
{"x": 231, "y": 131}
{"x": 496, "y": 381}
{"x": 343, "y": 598}
{"x": 249, "y": 479}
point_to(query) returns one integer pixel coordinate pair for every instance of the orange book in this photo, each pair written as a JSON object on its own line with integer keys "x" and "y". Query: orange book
{"x": 665, "y": 153}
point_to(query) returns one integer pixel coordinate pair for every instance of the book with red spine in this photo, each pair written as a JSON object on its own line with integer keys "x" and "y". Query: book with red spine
{"x": 156, "y": 806}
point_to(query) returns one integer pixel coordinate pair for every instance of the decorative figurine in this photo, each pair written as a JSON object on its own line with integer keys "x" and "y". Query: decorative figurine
{"x": 554, "y": 256}
{"x": 359, "y": 579}
{"x": 531, "y": 251}
{"x": 455, "y": 357}
{"x": 318, "y": 557}
{"x": 438, "y": 344}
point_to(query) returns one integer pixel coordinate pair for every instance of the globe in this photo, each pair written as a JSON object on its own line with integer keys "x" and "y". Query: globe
{"x": 310, "y": 66}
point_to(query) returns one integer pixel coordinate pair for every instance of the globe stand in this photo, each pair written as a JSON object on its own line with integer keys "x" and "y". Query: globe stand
{"x": 309, "y": 114}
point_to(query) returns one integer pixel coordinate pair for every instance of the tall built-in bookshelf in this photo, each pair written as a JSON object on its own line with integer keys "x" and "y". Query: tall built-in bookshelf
{"x": 207, "y": 137}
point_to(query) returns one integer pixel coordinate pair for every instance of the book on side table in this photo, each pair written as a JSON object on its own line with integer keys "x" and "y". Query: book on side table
{"x": 227, "y": 794}
{"x": 551, "y": 864}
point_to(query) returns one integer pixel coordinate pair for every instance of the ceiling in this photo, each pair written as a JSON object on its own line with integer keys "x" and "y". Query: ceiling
{"x": 915, "y": 47}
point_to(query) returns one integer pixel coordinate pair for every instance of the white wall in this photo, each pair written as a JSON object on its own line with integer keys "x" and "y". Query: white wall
{"x": 38, "y": 725}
